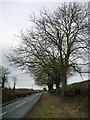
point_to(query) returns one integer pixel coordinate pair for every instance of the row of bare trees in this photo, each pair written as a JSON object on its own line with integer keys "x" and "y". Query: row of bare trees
{"x": 52, "y": 49}
{"x": 4, "y": 73}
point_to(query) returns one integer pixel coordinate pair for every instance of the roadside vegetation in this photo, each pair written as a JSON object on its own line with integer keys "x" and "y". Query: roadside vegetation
{"x": 75, "y": 104}
{"x": 9, "y": 96}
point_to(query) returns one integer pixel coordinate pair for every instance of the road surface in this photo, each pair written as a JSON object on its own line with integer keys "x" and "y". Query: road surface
{"x": 20, "y": 108}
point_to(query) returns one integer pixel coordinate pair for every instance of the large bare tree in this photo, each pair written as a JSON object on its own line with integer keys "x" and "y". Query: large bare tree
{"x": 57, "y": 43}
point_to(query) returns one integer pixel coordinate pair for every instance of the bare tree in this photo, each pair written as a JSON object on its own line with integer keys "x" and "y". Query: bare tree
{"x": 14, "y": 83}
{"x": 4, "y": 75}
{"x": 58, "y": 41}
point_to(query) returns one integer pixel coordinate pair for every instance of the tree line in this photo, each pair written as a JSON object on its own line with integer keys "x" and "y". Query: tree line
{"x": 4, "y": 75}
{"x": 52, "y": 49}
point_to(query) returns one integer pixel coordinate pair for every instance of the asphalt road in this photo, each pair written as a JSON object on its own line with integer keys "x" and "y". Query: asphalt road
{"x": 20, "y": 108}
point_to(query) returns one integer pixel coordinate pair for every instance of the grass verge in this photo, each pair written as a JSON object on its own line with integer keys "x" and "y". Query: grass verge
{"x": 52, "y": 106}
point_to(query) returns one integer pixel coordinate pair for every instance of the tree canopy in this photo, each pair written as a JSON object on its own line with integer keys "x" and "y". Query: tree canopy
{"x": 53, "y": 48}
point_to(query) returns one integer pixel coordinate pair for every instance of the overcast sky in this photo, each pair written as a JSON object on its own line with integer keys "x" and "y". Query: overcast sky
{"x": 14, "y": 16}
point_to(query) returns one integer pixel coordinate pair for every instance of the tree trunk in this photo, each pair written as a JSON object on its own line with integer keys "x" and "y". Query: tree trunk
{"x": 50, "y": 87}
{"x": 3, "y": 82}
{"x": 14, "y": 88}
{"x": 57, "y": 87}
{"x": 64, "y": 84}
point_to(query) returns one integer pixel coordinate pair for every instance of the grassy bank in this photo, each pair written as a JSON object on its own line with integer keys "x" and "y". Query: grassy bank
{"x": 52, "y": 106}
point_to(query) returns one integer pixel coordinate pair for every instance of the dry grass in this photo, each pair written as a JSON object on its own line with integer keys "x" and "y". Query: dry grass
{"x": 52, "y": 106}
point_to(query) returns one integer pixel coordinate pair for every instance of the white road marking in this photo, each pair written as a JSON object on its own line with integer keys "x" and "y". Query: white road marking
{"x": 12, "y": 103}
{"x": 25, "y": 101}
{"x": 25, "y": 98}
{"x": 30, "y": 98}
{"x": 3, "y": 113}
{"x": 20, "y": 104}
